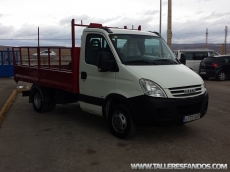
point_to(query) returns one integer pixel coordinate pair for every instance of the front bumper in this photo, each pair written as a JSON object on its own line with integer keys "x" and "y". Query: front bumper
{"x": 149, "y": 110}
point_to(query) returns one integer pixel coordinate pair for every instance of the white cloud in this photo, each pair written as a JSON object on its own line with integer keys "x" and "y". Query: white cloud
{"x": 6, "y": 31}
{"x": 189, "y": 18}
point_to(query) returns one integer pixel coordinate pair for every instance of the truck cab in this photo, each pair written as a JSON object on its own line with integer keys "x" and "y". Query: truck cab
{"x": 132, "y": 77}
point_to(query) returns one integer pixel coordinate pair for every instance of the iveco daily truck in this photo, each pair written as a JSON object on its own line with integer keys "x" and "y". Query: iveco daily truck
{"x": 128, "y": 76}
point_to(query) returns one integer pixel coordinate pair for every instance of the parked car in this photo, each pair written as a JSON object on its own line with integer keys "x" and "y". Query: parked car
{"x": 194, "y": 57}
{"x": 217, "y": 67}
{"x": 45, "y": 54}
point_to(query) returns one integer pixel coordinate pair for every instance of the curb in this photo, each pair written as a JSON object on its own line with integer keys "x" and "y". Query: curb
{"x": 9, "y": 102}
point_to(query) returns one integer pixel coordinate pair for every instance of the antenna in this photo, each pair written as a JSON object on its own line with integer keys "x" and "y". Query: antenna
{"x": 206, "y": 46}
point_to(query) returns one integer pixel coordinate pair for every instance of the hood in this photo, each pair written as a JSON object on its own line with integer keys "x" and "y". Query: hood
{"x": 168, "y": 76}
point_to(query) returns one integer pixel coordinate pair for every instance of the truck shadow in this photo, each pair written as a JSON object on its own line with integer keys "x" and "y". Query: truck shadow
{"x": 72, "y": 114}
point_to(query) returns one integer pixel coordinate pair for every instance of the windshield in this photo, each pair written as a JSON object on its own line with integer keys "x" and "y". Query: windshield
{"x": 142, "y": 50}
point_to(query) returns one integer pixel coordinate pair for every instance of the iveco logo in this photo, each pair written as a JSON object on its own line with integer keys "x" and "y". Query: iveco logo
{"x": 190, "y": 91}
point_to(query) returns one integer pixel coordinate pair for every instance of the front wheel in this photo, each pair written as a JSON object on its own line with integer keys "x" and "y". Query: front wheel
{"x": 120, "y": 122}
{"x": 221, "y": 76}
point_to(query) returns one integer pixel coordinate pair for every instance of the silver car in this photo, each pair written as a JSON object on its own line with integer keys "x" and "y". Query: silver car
{"x": 45, "y": 54}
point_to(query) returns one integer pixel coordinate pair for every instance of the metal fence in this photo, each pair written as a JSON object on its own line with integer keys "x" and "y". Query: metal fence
{"x": 6, "y": 63}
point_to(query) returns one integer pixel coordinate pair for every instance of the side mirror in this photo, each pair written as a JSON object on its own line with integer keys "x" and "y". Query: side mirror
{"x": 183, "y": 59}
{"x": 105, "y": 64}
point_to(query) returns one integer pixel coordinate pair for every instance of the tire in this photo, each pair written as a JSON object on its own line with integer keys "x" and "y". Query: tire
{"x": 120, "y": 122}
{"x": 221, "y": 76}
{"x": 38, "y": 104}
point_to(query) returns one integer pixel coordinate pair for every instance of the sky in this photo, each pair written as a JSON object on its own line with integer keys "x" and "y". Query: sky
{"x": 20, "y": 19}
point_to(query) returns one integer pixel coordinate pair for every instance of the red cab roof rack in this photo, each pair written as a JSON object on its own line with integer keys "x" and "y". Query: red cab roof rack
{"x": 98, "y": 25}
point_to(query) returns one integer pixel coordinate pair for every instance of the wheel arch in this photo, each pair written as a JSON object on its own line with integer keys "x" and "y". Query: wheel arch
{"x": 45, "y": 93}
{"x": 220, "y": 70}
{"x": 112, "y": 99}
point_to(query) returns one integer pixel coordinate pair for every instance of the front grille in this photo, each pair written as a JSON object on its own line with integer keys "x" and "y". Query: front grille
{"x": 187, "y": 91}
{"x": 189, "y": 109}
{"x": 184, "y": 110}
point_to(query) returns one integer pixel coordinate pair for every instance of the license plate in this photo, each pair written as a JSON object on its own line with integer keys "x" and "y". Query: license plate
{"x": 202, "y": 72}
{"x": 191, "y": 117}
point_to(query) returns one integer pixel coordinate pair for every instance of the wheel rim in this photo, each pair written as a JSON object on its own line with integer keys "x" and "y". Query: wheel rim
{"x": 37, "y": 100}
{"x": 222, "y": 76}
{"x": 119, "y": 122}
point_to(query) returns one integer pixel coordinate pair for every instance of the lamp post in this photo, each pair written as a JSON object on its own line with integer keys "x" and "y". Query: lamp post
{"x": 225, "y": 42}
{"x": 160, "y": 16}
{"x": 169, "y": 28}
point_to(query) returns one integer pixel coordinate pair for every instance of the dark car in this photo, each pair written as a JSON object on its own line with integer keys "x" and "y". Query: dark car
{"x": 217, "y": 67}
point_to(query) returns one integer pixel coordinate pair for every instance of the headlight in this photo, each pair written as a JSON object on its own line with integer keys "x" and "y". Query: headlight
{"x": 150, "y": 88}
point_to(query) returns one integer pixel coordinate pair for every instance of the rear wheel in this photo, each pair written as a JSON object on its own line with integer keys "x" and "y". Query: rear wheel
{"x": 38, "y": 104}
{"x": 221, "y": 76}
{"x": 120, "y": 122}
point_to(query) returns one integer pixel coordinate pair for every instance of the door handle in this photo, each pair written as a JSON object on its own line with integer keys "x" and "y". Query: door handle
{"x": 83, "y": 75}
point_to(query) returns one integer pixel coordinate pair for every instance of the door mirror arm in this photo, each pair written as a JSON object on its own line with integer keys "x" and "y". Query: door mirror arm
{"x": 183, "y": 59}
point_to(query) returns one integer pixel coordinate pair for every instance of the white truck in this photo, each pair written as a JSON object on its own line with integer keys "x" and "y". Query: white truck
{"x": 130, "y": 77}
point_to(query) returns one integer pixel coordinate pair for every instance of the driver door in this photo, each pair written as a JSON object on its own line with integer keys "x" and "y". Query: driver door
{"x": 94, "y": 85}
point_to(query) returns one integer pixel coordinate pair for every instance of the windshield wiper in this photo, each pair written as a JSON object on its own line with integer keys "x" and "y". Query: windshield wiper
{"x": 140, "y": 61}
{"x": 167, "y": 60}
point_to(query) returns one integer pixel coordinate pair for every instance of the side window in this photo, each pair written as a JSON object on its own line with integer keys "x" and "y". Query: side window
{"x": 200, "y": 55}
{"x": 188, "y": 56}
{"x": 227, "y": 60}
{"x": 95, "y": 44}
